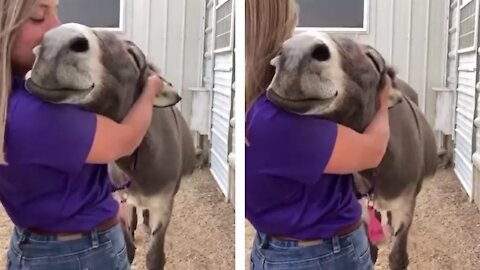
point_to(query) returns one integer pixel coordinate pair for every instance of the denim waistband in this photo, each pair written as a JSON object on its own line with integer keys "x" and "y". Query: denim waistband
{"x": 37, "y": 250}
{"x": 335, "y": 241}
{"x": 95, "y": 236}
{"x": 349, "y": 251}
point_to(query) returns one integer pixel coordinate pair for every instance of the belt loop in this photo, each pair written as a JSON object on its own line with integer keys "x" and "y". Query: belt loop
{"x": 263, "y": 240}
{"x": 22, "y": 240}
{"x": 23, "y": 237}
{"x": 336, "y": 244}
{"x": 94, "y": 238}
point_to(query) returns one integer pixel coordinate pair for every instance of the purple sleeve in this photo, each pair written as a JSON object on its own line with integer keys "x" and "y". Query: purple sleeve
{"x": 57, "y": 136}
{"x": 299, "y": 149}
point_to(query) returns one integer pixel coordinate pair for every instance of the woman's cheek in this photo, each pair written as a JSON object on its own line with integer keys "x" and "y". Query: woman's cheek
{"x": 28, "y": 37}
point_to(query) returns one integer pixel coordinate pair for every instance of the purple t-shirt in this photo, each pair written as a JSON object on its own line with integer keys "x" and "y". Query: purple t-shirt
{"x": 286, "y": 192}
{"x": 47, "y": 184}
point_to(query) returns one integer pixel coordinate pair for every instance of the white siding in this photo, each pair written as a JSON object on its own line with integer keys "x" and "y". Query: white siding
{"x": 221, "y": 118}
{"x": 170, "y": 33}
{"x": 207, "y": 77}
{"x": 231, "y": 154}
{"x": 476, "y": 138}
{"x": 464, "y": 120}
{"x": 222, "y": 94}
{"x": 463, "y": 38}
{"x": 180, "y": 37}
{"x": 477, "y": 125}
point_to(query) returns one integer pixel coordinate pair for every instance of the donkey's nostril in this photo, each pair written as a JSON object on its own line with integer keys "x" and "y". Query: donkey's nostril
{"x": 79, "y": 44}
{"x": 321, "y": 52}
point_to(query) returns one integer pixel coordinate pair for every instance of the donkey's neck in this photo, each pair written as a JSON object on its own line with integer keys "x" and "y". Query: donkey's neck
{"x": 355, "y": 117}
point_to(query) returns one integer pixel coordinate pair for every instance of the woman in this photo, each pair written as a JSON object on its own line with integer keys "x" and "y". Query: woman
{"x": 299, "y": 194}
{"x": 55, "y": 187}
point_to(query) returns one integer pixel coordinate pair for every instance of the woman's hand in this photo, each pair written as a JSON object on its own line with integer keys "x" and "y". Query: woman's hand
{"x": 154, "y": 84}
{"x": 124, "y": 214}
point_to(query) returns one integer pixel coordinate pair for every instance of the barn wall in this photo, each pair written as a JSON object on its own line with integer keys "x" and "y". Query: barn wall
{"x": 464, "y": 117}
{"x": 223, "y": 78}
{"x": 170, "y": 33}
{"x": 186, "y": 39}
{"x": 461, "y": 79}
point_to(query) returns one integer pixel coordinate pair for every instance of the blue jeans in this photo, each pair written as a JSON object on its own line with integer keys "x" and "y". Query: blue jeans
{"x": 96, "y": 250}
{"x": 348, "y": 252}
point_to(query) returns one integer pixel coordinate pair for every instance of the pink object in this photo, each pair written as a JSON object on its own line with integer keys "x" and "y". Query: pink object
{"x": 375, "y": 229}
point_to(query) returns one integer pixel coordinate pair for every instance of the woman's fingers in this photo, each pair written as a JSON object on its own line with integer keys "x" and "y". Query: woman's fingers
{"x": 155, "y": 82}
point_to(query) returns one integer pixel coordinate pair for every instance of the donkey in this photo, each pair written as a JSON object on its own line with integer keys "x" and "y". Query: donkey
{"x": 104, "y": 73}
{"x": 339, "y": 79}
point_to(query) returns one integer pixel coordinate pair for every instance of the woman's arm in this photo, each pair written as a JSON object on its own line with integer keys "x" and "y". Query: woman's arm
{"x": 355, "y": 151}
{"x": 115, "y": 140}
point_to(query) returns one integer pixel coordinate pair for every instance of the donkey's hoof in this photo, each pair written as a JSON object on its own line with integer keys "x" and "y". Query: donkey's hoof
{"x": 374, "y": 253}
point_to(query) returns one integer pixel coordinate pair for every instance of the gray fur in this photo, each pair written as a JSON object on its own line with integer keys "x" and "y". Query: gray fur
{"x": 411, "y": 154}
{"x": 114, "y": 67}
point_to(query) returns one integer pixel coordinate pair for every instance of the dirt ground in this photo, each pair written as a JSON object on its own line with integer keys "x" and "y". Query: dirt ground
{"x": 201, "y": 234}
{"x": 445, "y": 234}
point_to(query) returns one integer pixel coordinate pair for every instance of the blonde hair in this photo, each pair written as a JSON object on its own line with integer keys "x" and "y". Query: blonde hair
{"x": 12, "y": 14}
{"x": 268, "y": 23}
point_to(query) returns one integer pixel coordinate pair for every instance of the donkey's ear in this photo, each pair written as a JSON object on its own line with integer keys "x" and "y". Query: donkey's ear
{"x": 137, "y": 54}
{"x": 376, "y": 58}
{"x": 36, "y": 50}
{"x": 275, "y": 61}
{"x": 394, "y": 97}
{"x": 167, "y": 97}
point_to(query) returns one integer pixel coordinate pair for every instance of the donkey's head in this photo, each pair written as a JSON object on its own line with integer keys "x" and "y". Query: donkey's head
{"x": 96, "y": 69}
{"x": 337, "y": 78}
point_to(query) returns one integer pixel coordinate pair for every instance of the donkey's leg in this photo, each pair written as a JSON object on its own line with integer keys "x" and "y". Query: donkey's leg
{"x": 146, "y": 217}
{"x": 402, "y": 217}
{"x": 143, "y": 211}
{"x": 160, "y": 210}
{"x": 130, "y": 244}
{"x": 133, "y": 222}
